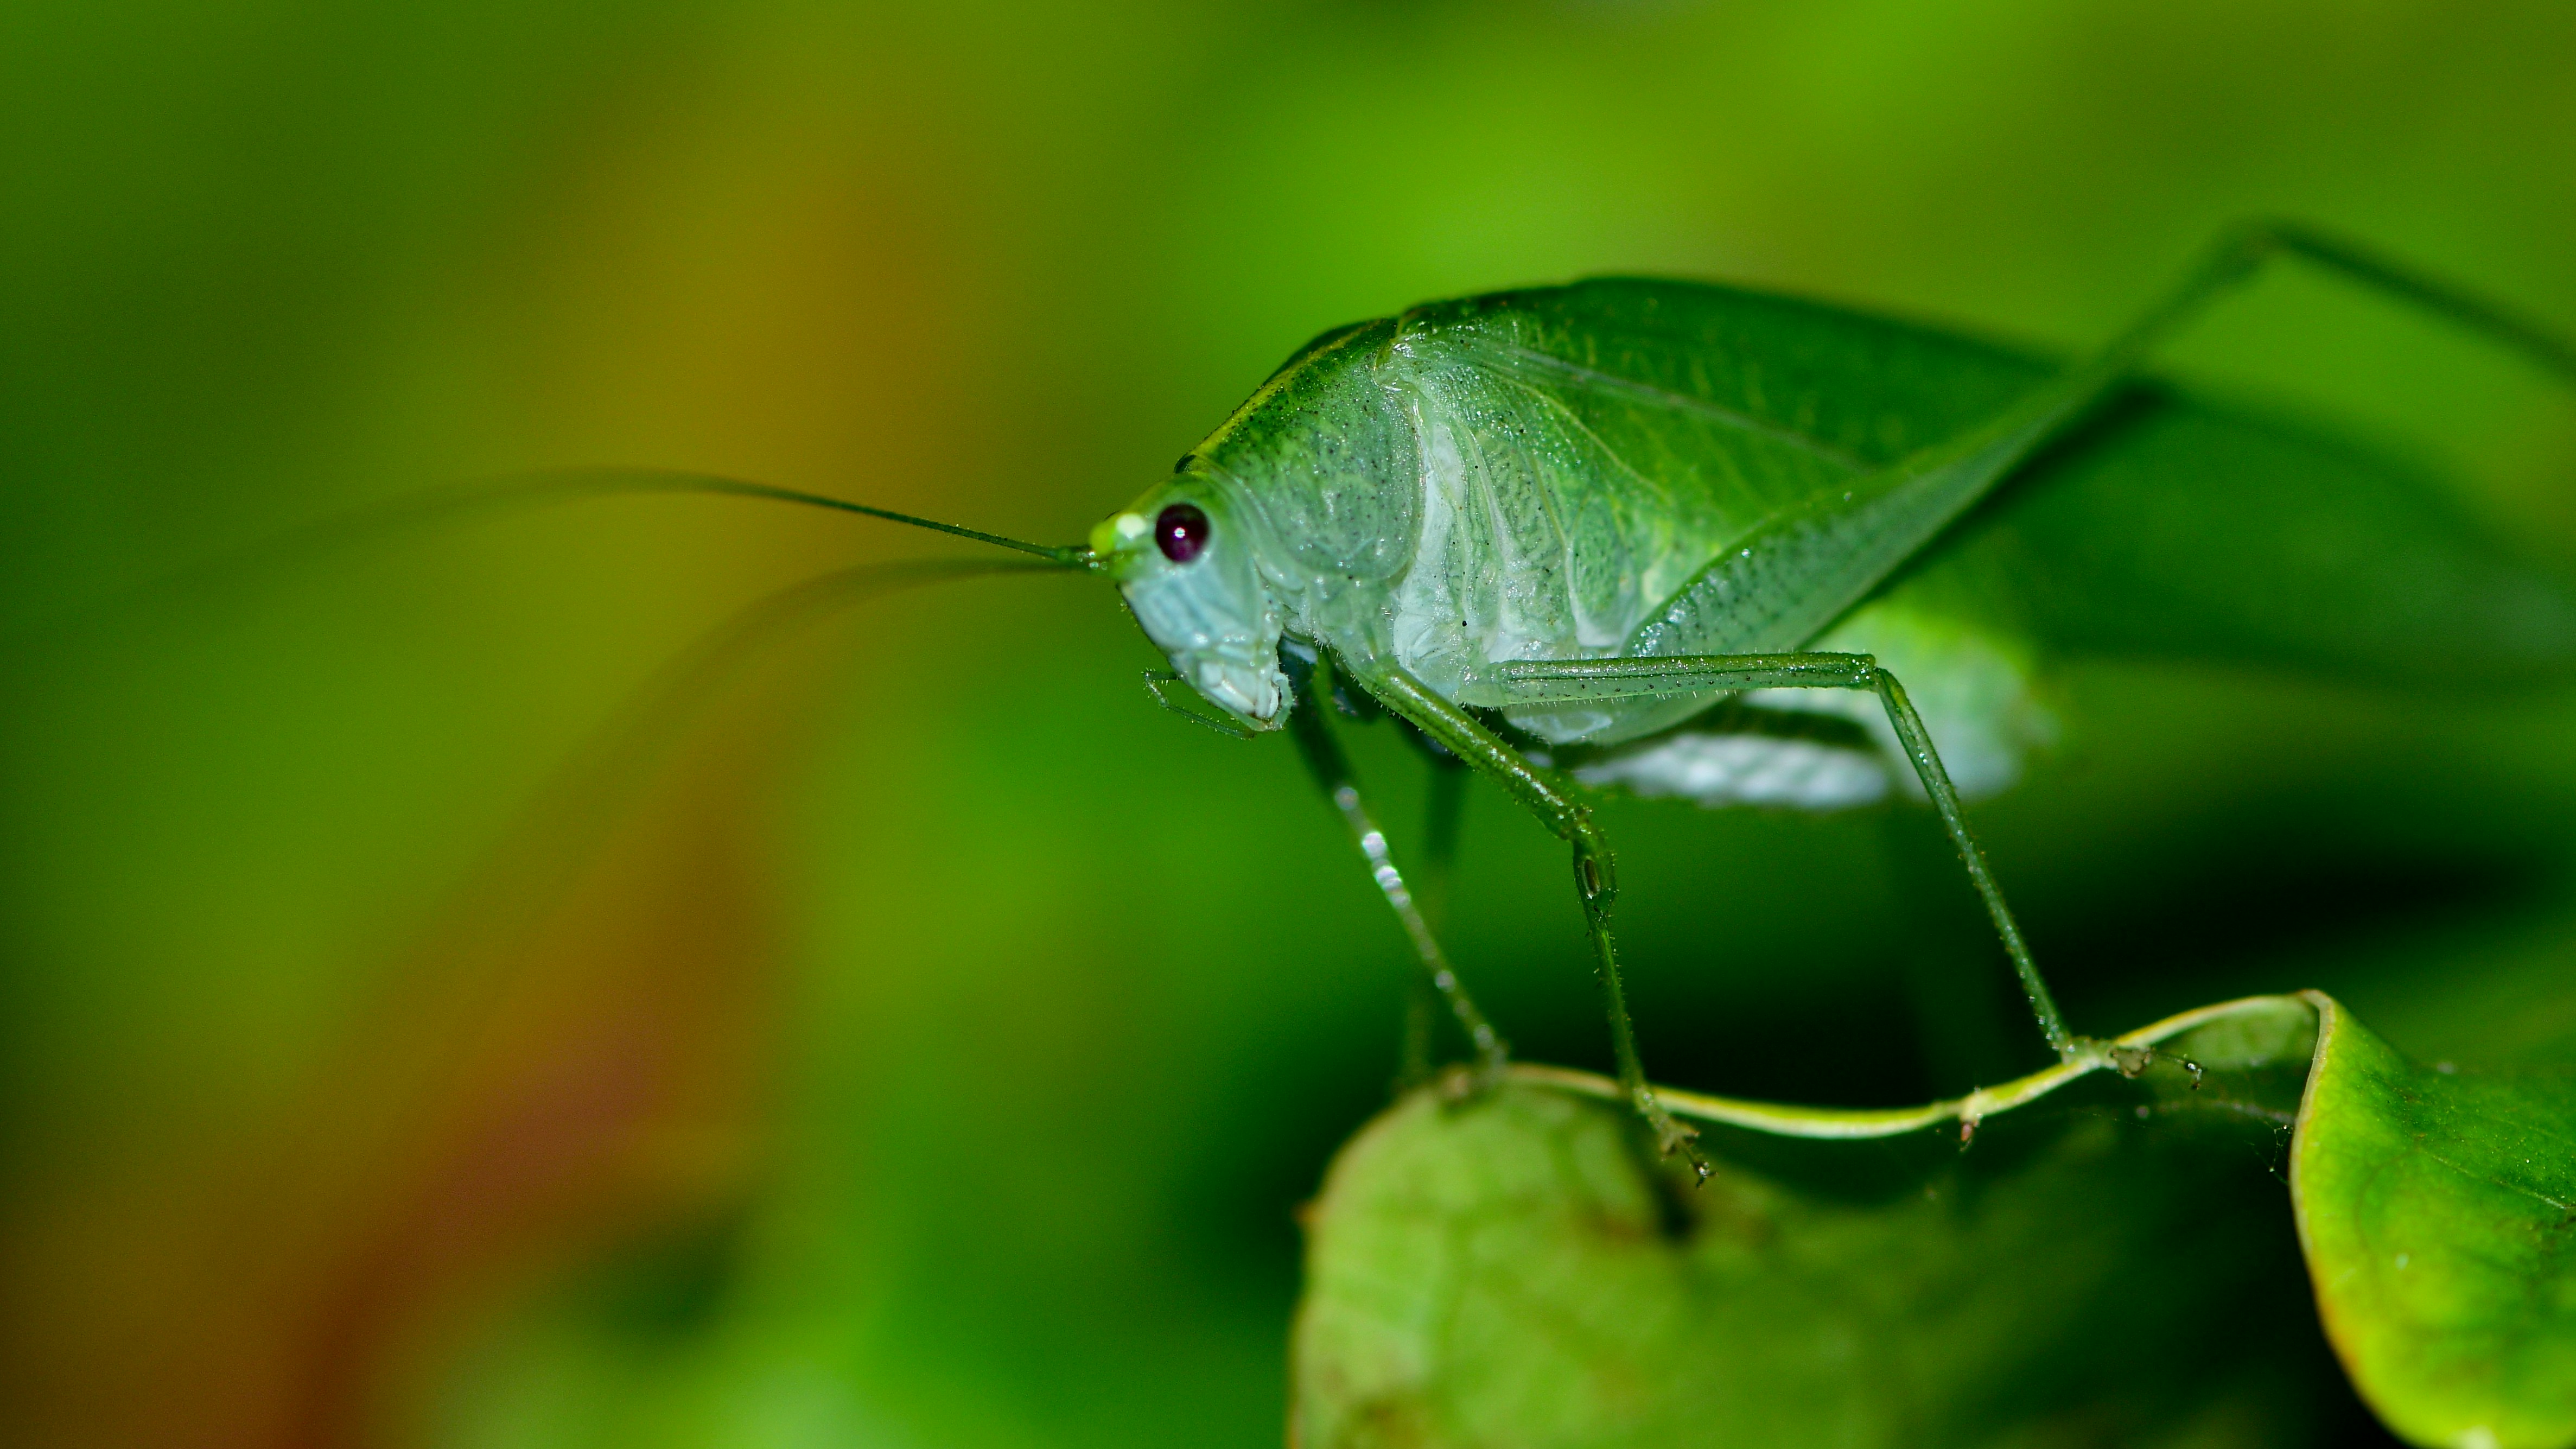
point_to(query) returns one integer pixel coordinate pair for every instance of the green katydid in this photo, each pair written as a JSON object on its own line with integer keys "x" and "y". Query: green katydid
{"x": 1583, "y": 515}
{"x": 1549, "y": 530}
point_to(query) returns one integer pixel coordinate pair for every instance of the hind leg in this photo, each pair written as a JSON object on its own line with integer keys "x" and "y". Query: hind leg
{"x": 1710, "y": 676}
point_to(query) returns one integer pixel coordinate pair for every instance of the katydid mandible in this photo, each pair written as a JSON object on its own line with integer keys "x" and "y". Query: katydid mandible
{"x": 1549, "y": 529}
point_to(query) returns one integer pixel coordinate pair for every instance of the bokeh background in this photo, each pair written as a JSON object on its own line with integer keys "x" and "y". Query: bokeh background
{"x": 913, "y": 1037}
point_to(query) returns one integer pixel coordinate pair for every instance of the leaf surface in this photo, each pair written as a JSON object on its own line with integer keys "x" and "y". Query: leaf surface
{"x": 2103, "y": 1264}
{"x": 2438, "y": 1211}
{"x": 1510, "y": 1270}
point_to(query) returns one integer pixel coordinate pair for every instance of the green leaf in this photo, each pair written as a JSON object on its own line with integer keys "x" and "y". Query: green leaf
{"x": 1512, "y": 1270}
{"x": 2438, "y": 1211}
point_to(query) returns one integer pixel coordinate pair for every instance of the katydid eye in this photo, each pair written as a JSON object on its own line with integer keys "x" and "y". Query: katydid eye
{"x": 1181, "y": 532}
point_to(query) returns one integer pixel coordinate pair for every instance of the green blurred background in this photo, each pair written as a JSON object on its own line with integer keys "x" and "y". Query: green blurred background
{"x": 921, "y": 1040}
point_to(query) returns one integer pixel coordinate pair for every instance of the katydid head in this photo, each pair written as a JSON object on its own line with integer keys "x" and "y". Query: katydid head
{"x": 1187, "y": 569}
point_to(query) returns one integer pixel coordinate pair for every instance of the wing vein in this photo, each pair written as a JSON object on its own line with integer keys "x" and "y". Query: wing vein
{"x": 1682, "y": 402}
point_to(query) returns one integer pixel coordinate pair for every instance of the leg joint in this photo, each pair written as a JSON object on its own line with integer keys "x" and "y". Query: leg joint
{"x": 1596, "y": 875}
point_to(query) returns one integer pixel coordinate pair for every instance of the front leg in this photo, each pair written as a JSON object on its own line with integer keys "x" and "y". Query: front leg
{"x": 1550, "y": 797}
{"x": 1444, "y": 806}
{"x": 1332, "y": 771}
{"x": 1545, "y": 682}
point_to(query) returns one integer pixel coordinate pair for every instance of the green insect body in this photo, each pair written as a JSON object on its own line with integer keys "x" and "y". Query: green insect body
{"x": 1627, "y": 468}
{"x": 1553, "y": 475}
{"x": 1566, "y": 521}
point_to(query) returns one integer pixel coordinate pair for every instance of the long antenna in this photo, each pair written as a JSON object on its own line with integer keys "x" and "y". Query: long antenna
{"x": 378, "y": 523}
{"x": 641, "y": 480}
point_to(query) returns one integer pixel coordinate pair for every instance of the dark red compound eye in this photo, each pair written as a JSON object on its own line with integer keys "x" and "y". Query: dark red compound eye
{"x": 1181, "y": 531}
